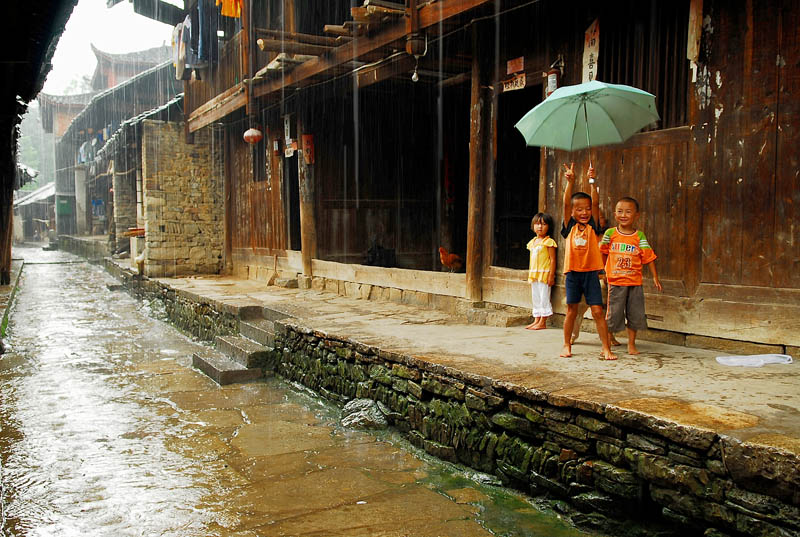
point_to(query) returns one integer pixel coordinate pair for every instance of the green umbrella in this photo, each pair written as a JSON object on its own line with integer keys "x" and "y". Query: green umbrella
{"x": 613, "y": 112}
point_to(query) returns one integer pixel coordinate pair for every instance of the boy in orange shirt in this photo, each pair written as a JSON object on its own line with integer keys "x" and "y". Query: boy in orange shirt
{"x": 626, "y": 250}
{"x": 582, "y": 259}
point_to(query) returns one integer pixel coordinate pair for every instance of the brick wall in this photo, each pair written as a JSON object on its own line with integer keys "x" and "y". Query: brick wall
{"x": 183, "y": 202}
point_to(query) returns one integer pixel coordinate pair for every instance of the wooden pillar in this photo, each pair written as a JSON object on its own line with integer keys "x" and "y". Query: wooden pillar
{"x": 227, "y": 201}
{"x": 6, "y": 235}
{"x": 308, "y": 219}
{"x": 480, "y": 142}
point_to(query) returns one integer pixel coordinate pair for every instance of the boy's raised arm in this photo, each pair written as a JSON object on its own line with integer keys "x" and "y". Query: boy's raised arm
{"x": 569, "y": 175}
{"x": 595, "y": 195}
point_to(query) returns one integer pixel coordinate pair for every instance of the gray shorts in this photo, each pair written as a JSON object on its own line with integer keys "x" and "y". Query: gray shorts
{"x": 625, "y": 302}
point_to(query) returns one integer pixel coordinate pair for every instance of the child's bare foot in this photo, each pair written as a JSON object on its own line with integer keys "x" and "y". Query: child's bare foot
{"x": 633, "y": 350}
{"x": 574, "y": 338}
{"x": 531, "y": 326}
{"x": 540, "y": 326}
{"x": 613, "y": 341}
{"x": 566, "y": 352}
{"x": 608, "y": 355}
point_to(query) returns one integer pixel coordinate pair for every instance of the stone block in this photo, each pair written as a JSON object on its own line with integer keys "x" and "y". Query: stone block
{"x": 731, "y": 346}
{"x": 526, "y": 411}
{"x": 365, "y": 290}
{"x": 643, "y": 443}
{"x": 511, "y": 422}
{"x": 763, "y": 469}
{"x": 761, "y": 506}
{"x": 694, "y": 437}
{"x": 332, "y": 286}
{"x": 611, "y": 453}
{"x": 447, "y": 304}
{"x": 303, "y": 281}
{"x": 351, "y": 289}
{"x": 617, "y": 481}
{"x": 417, "y": 298}
{"x": 402, "y": 371}
{"x": 598, "y": 426}
{"x": 395, "y": 295}
{"x": 318, "y": 283}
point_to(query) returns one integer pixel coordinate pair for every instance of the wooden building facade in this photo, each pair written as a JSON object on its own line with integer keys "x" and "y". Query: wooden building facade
{"x": 363, "y": 173}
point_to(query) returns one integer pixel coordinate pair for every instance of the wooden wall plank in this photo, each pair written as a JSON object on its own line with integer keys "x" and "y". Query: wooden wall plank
{"x": 786, "y": 271}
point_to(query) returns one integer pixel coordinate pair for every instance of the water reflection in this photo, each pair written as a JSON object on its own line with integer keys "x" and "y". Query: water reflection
{"x": 106, "y": 430}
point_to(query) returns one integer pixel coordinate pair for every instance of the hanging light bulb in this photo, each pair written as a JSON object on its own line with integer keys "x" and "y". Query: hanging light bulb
{"x": 417, "y": 46}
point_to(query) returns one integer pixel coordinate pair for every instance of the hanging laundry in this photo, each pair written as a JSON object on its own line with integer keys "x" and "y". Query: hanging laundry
{"x": 231, "y": 8}
{"x": 208, "y": 17}
{"x": 186, "y": 39}
{"x": 177, "y": 58}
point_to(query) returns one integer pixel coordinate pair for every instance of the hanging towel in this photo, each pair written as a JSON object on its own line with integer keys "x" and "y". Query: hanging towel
{"x": 231, "y": 8}
{"x": 754, "y": 360}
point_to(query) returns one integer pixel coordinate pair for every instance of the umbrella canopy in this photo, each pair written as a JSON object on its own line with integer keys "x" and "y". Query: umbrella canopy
{"x": 611, "y": 112}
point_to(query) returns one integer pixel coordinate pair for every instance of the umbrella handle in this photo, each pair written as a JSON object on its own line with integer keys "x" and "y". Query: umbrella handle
{"x": 588, "y": 143}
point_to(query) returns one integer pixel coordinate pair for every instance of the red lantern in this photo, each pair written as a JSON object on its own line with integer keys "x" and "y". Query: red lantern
{"x": 253, "y": 135}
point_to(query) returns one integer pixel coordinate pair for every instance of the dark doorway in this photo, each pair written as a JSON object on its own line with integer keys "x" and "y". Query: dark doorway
{"x": 292, "y": 197}
{"x": 516, "y": 182}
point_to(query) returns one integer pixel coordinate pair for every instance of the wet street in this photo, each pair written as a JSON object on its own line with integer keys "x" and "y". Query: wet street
{"x": 107, "y": 430}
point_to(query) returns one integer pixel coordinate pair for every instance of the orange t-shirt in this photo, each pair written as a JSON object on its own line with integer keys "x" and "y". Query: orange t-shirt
{"x": 626, "y": 256}
{"x": 582, "y": 254}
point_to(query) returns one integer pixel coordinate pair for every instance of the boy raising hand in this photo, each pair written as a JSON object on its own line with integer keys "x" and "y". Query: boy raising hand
{"x": 582, "y": 259}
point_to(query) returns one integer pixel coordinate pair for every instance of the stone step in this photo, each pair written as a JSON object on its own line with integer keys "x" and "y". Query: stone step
{"x": 493, "y": 317}
{"x": 271, "y": 313}
{"x": 244, "y": 351}
{"x": 259, "y": 330}
{"x": 222, "y": 369}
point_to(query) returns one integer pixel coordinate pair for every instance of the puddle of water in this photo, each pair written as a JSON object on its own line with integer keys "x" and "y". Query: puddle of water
{"x": 107, "y": 430}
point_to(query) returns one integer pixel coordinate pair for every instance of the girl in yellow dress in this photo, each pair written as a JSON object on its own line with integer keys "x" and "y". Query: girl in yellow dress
{"x": 542, "y": 272}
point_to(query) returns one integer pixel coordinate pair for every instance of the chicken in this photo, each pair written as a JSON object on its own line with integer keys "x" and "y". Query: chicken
{"x": 451, "y": 261}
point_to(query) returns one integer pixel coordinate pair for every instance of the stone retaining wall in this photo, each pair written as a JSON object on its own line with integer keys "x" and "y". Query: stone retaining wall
{"x": 622, "y": 471}
{"x": 189, "y": 312}
{"x": 91, "y": 249}
{"x": 612, "y": 464}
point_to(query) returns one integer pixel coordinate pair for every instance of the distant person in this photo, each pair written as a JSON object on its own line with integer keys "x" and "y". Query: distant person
{"x": 582, "y": 259}
{"x": 626, "y": 250}
{"x": 542, "y": 269}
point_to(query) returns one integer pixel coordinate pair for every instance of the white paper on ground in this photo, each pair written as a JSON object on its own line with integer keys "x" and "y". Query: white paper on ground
{"x": 754, "y": 360}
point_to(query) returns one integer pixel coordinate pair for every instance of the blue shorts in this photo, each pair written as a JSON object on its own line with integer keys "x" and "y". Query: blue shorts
{"x": 586, "y": 284}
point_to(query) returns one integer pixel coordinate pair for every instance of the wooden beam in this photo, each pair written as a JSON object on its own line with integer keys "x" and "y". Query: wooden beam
{"x": 429, "y": 15}
{"x": 382, "y": 71}
{"x": 293, "y": 47}
{"x": 158, "y": 10}
{"x": 233, "y": 98}
{"x": 336, "y": 29}
{"x": 218, "y": 107}
{"x": 300, "y": 38}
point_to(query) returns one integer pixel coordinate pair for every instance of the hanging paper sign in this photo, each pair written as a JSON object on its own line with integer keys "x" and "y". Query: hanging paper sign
{"x": 308, "y": 148}
{"x": 591, "y": 51}
{"x": 514, "y": 83}
{"x": 516, "y": 65}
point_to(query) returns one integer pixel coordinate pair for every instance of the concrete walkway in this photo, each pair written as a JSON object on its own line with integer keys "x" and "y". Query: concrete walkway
{"x": 680, "y": 384}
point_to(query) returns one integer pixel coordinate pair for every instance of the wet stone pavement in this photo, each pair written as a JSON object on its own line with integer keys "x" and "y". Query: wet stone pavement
{"x": 107, "y": 430}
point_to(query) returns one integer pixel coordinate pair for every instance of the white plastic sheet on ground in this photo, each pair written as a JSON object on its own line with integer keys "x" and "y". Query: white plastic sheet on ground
{"x": 754, "y": 360}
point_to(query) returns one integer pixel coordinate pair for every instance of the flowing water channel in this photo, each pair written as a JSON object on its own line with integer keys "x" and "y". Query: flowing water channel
{"x": 107, "y": 430}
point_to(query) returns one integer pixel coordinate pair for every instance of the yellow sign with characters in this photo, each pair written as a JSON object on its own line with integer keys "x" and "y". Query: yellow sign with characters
{"x": 514, "y": 83}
